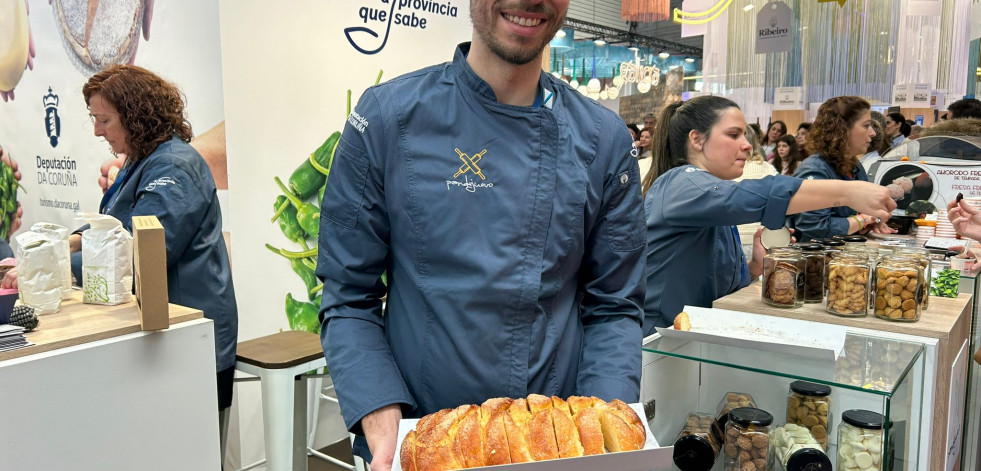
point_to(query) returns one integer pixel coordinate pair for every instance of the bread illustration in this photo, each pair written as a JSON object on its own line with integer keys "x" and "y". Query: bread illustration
{"x": 99, "y": 33}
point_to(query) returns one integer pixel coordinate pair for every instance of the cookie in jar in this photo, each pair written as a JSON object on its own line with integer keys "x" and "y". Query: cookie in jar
{"x": 747, "y": 442}
{"x": 783, "y": 277}
{"x": 814, "y": 259}
{"x": 732, "y": 400}
{"x": 860, "y": 444}
{"x": 809, "y": 405}
{"x": 898, "y": 289}
{"x": 699, "y": 443}
{"x": 848, "y": 285}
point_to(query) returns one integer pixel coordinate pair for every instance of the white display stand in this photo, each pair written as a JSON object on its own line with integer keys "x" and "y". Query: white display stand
{"x": 144, "y": 400}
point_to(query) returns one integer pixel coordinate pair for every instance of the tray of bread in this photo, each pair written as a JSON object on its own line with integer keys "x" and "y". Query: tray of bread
{"x": 535, "y": 433}
{"x": 757, "y": 331}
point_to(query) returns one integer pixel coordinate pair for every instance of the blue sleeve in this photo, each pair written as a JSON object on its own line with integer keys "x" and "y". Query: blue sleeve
{"x": 5, "y": 250}
{"x": 613, "y": 282}
{"x": 171, "y": 194}
{"x": 821, "y": 223}
{"x": 353, "y": 253}
{"x": 699, "y": 199}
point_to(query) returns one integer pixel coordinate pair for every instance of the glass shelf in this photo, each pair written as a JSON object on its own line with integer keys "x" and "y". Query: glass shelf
{"x": 867, "y": 363}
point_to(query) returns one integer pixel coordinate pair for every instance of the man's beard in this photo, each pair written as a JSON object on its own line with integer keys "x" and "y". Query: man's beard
{"x": 516, "y": 55}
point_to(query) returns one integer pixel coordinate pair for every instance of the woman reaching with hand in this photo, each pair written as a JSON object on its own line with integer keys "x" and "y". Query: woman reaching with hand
{"x": 693, "y": 206}
{"x": 839, "y": 137}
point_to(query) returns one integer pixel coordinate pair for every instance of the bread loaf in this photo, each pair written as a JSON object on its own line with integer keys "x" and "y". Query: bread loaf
{"x": 504, "y": 431}
{"x": 682, "y": 322}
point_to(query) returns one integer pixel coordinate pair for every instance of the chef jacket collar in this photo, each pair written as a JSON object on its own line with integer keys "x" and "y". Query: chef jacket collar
{"x": 466, "y": 74}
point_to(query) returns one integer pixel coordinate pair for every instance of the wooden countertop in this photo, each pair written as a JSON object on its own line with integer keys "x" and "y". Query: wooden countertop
{"x": 936, "y": 322}
{"x": 77, "y": 323}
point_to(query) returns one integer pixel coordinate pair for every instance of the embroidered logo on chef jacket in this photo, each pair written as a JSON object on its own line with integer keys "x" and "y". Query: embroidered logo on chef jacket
{"x": 624, "y": 179}
{"x": 162, "y": 181}
{"x": 470, "y": 164}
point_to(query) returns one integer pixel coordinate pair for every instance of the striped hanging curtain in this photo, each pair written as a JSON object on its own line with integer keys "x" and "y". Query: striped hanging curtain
{"x": 645, "y": 11}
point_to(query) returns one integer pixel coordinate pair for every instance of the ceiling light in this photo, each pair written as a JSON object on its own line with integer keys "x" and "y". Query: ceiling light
{"x": 748, "y": 7}
{"x": 560, "y": 33}
{"x": 594, "y": 85}
{"x": 633, "y": 49}
{"x": 689, "y": 59}
{"x": 664, "y": 55}
{"x": 599, "y": 42}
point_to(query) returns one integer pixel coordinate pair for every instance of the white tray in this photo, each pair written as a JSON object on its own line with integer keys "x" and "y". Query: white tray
{"x": 652, "y": 457}
{"x": 769, "y": 333}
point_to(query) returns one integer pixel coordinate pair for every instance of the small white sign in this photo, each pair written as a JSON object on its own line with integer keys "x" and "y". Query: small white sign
{"x": 902, "y": 94}
{"x": 788, "y": 98}
{"x": 921, "y": 95}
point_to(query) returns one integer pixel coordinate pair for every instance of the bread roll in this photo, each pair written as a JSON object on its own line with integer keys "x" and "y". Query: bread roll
{"x": 504, "y": 431}
{"x": 682, "y": 322}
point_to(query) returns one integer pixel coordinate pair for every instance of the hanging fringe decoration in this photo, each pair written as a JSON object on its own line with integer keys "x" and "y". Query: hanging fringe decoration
{"x": 645, "y": 11}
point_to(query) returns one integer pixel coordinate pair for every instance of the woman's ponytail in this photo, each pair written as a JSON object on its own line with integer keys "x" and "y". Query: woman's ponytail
{"x": 660, "y": 147}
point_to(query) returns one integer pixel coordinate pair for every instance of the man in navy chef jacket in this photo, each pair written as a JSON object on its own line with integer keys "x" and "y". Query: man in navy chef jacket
{"x": 505, "y": 208}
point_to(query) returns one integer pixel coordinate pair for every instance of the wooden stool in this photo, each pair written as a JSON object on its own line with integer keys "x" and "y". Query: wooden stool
{"x": 276, "y": 360}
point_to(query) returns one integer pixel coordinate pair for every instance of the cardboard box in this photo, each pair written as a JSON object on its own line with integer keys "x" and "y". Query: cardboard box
{"x": 150, "y": 272}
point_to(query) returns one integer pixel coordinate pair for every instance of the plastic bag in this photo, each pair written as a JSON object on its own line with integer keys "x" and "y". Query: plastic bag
{"x": 59, "y": 236}
{"x": 38, "y": 273}
{"x": 107, "y": 261}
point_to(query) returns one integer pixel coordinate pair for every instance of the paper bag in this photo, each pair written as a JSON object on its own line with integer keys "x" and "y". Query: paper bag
{"x": 59, "y": 236}
{"x": 107, "y": 261}
{"x": 38, "y": 273}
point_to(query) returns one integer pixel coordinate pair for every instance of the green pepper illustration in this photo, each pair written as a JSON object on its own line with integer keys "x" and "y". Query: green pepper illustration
{"x": 310, "y": 175}
{"x": 286, "y": 216}
{"x": 302, "y": 316}
{"x": 8, "y": 199}
{"x": 308, "y": 215}
{"x": 302, "y": 268}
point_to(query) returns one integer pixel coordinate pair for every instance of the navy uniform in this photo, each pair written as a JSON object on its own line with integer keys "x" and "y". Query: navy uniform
{"x": 175, "y": 184}
{"x": 512, "y": 238}
{"x": 823, "y": 223}
{"x": 694, "y": 255}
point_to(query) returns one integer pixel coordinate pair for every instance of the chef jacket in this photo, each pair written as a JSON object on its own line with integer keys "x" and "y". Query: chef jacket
{"x": 175, "y": 184}
{"x": 694, "y": 255}
{"x": 823, "y": 223}
{"x": 512, "y": 238}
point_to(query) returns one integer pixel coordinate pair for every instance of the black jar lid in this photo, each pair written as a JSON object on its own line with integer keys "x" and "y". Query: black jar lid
{"x": 807, "y": 459}
{"x": 863, "y": 419}
{"x": 855, "y": 238}
{"x": 694, "y": 453}
{"x": 747, "y": 416}
{"x": 810, "y": 389}
{"x": 830, "y": 242}
{"x": 809, "y": 246}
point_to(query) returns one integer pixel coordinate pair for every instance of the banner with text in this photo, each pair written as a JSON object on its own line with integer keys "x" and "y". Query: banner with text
{"x": 44, "y": 122}
{"x": 788, "y": 98}
{"x": 773, "y": 25}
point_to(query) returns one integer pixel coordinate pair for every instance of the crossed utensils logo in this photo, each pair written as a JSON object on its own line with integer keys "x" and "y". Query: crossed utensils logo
{"x": 470, "y": 164}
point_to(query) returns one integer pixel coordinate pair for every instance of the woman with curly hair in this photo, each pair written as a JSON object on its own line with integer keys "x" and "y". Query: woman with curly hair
{"x": 142, "y": 116}
{"x": 786, "y": 158}
{"x": 839, "y": 136}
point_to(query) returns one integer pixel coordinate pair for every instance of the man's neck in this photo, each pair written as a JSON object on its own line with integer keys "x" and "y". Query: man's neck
{"x": 512, "y": 84}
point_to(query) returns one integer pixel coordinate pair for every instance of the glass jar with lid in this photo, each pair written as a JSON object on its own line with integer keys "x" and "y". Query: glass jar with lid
{"x": 809, "y": 405}
{"x": 747, "y": 442}
{"x": 783, "y": 277}
{"x": 832, "y": 247}
{"x": 732, "y": 400}
{"x": 860, "y": 444}
{"x": 848, "y": 285}
{"x": 923, "y": 255}
{"x": 898, "y": 289}
{"x": 796, "y": 449}
{"x": 699, "y": 443}
{"x": 813, "y": 254}
{"x": 852, "y": 239}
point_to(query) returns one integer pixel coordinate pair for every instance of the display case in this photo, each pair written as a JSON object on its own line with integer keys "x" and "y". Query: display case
{"x": 872, "y": 373}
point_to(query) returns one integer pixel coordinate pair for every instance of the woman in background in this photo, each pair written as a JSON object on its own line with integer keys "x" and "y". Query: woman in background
{"x": 840, "y": 134}
{"x": 694, "y": 254}
{"x": 787, "y": 157}
{"x": 774, "y": 132}
{"x": 143, "y": 116}
{"x": 644, "y": 158}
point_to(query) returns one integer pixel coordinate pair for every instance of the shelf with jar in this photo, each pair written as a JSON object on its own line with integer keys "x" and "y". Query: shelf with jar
{"x": 728, "y": 407}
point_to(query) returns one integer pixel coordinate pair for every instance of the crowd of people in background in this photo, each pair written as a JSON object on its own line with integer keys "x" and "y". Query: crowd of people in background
{"x": 784, "y": 152}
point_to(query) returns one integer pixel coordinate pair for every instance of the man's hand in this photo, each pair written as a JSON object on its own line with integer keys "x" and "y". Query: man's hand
{"x": 108, "y": 171}
{"x": 870, "y": 199}
{"x": 381, "y": 428}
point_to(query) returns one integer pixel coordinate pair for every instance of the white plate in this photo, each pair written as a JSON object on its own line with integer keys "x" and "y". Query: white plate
{"x": 774, "y": 334}
{"x": 775, "y": 238}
